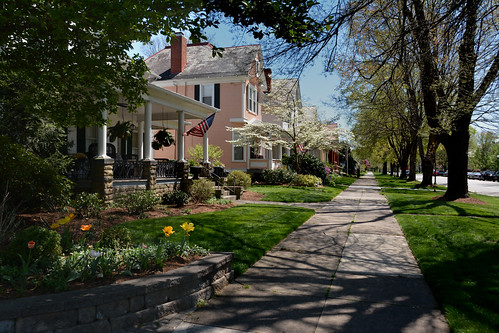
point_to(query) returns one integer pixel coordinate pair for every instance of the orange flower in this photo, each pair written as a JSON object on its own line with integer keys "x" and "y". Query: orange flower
{"x": 168, "y": 231}
{"x": 31, "y": 244}
{"x": 85, "y": 227}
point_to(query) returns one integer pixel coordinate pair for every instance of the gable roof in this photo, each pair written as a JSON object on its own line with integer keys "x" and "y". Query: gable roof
{"x": 236, "y": 61}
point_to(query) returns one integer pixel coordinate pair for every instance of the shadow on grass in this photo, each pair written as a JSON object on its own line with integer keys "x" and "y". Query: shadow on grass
{"x": 468, "y": 287}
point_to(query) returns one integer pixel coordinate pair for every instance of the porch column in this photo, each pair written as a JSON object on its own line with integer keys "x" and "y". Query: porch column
{"x": 148, "y": 131}
{"x": 102, "y": 138}
{"x": 205, "y": 148}
{"x": 271, "y": 158}
{"x": 180, "y": 137}
{"x": 141, "y": 140}
{"x": 101, "y": 170}
{"x": 205, "y": 172}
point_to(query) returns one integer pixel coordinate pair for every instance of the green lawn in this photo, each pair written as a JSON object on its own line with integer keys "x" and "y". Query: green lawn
{"x": 285, "y": 193}
{"x": 296, "y": 193}
{"x": 389, "y": 181}
{"x": 423, "y": 202}
{"x": 248, "y": 230}
{"x": 457, "y": 248}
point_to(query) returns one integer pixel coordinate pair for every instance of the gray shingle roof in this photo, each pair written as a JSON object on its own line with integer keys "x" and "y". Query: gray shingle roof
{"x": 236, "y": 61}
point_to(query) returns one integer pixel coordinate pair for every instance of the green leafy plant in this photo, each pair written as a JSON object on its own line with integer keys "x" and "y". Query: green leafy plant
{"x": 201, "y": 190}
{"x": 162, "y": 138}
{"x": 88, "y": 205}
{"x": 38, "y": 182}
{"x": 214, "y": 154}
{"x": 307, "y": 180}
{"x": 48, "y": 247}
{"x": 138, "y": 202}
{"x": 116, "y": 237}
{"x": 221, "y": 201}
{"x": 308, "y": 165}
{"x": 178, "y": 198}
{"x": 121, "y": 130}
{"x": 239, "y": 178}
{"x": 278, "y": 176}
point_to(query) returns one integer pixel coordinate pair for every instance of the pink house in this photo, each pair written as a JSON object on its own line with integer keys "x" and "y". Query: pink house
{"x": 233, "y": 83}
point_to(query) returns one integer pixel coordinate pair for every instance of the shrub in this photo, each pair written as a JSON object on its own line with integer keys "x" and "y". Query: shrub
{"x": 278, "y": 176}
{"x": 47, "y": 247}
{"x": 202, "y": 190}
{"x": 117, "y": 237}
{"x": 88, "y": 205}
{"x": 239, "y": 178}
{"x": 178, "y": 198}
{"x": 221, "y": 201}
{"x": 37, "y": 182}
{"x": 309, "y": 165}
{"x": 138, "y": 202}
{"x": 307, "y": 180}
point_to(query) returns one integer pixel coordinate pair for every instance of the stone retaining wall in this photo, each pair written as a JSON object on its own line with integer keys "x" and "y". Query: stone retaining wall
{"x": 115, "y": 307}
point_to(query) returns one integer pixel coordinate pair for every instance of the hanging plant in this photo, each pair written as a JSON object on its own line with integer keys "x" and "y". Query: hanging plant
{"x": 122, "y": 130}
{"x": 162, "y": 139}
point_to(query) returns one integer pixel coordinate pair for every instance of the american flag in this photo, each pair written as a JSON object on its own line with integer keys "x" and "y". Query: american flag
{"x": 201, "y": 128}
{"x": 302, "y": 150}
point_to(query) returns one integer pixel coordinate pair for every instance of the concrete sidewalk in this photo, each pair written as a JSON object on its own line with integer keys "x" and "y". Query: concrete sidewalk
{"x": 347, "y": 269}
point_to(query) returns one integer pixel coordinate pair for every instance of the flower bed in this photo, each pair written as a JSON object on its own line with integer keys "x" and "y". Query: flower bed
{"x": 114, "y": 307}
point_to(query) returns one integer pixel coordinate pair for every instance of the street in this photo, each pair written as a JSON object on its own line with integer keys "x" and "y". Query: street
{"x": 484, "y": 187}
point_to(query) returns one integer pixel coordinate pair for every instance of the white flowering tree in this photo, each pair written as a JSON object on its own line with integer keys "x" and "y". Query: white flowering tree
{"x": 289, "y": 124}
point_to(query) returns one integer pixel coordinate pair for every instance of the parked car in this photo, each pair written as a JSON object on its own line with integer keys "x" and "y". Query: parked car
{"x": 487, "y": 175}
{"x": 496, "y": 176}
{"x": 474, "y": 175}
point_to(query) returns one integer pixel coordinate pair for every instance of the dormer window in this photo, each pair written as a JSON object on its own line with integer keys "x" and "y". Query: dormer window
{"x": 252, "y": 99}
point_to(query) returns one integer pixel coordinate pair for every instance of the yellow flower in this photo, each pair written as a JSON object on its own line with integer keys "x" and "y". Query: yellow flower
{"x": 66, "y": 219}
{"x": 85, "y": 227}
{"x": 168, "y": 231}
{"x": 54, "y": 225}
{"x": 188, "y": 227}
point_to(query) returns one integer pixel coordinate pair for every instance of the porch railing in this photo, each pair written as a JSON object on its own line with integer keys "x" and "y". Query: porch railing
{"x": 166, "y": 169}
{"x": 80, "y": 170}
{"x": 128, "y": 169}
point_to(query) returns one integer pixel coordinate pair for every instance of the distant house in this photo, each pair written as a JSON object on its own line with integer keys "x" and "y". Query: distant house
{"x": 234, "y": 83}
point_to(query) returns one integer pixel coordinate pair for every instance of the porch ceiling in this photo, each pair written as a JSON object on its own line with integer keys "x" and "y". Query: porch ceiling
{"x": 165, "y": 105}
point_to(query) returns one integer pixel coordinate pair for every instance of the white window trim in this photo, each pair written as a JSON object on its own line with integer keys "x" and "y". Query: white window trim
{"x": 249, "y": 89}
{"x": 212, "y": 96}
{"x": 232, "y": 150}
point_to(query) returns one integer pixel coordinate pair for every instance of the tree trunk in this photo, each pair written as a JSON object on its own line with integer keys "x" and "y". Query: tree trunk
{"x": 412, "y": 160}
{"x": 428, "y": 160}
{"x": 457, "y": 153}
{"x": 385, "y": 168}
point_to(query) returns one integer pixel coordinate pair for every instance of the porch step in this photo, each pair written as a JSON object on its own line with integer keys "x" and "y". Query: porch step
{"x": 220, "y": 192}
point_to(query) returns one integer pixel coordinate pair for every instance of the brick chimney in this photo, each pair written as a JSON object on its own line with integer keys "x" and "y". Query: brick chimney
{"x": 179, "y": 53}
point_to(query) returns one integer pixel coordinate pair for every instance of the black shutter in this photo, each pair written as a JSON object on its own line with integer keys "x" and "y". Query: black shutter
{"x": 129, "y": 147}
{"x": 217, "y": 95}
{"x": 196, "y": 92}
{"x": 80, "y": 140}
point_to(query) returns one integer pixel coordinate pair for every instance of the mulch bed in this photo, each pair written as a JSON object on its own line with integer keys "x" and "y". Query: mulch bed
{"x": 464, "y": 200}
{"x": 109, "y": 218}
